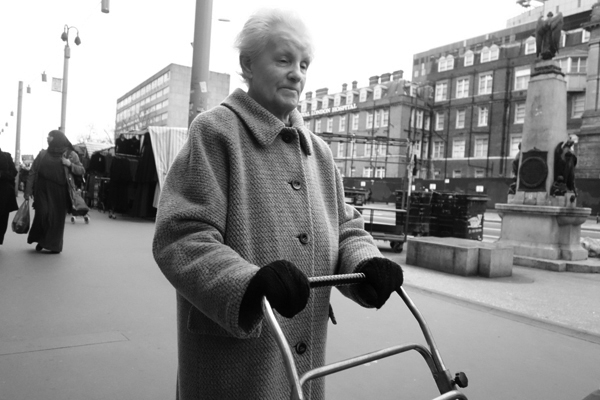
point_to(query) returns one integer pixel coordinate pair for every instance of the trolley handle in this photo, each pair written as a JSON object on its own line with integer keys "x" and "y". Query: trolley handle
{"x": 336, "y": 280}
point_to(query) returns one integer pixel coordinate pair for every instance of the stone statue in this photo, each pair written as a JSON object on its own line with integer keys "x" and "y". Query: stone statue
{"x": 565, "y": 161}
{"x": 547, "y": 35}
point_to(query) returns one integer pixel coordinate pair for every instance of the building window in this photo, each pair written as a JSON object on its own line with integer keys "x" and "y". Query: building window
{"x": 377, "y": 93}
{"x": 369, "y": 120}
{"x": 438, "y": 149}
{"x": 585, "y": 36}
{"x": 427, "y": 122}
{"x": 363, "y": 95}
{"x": 578, "y": 106}
{"x": 367, "y": 149}
{"x": 353, "y": 171}
{"x": 530, "y": 46}
{"x": 522, "y": 78}
{"x": 318, "y": 126}
{"x": 519, "y": 113}
{"x": 479, "y": 173}
{"x": 481, "y": 148}
{"x": 441, "y": 91}
{"x": 354, "y": 122}
{"x": 377, "y": 119}
{"x": 439, "y": 121}
{"x": 458, "y": 148}
{"x": 385, "y": 118}
{"x": 325, "y": 102}
{"x": 337, "y": 100}
{"x": 352, "y": 149}
{"x": 449, "y": 63}
{"x": 367, "y": 172}
{"x": 329, "y": 125}
{"x": 515, "y": 141}
{"x": 340, "y": 150}
{"x": 315, "y": 105}
{"x": 418, "y": 121}
{"x": 380, "y": 172}
{"x": 482, "y": 119}
{"x": 423, "y": 70}
{"x": 349, "y": 98}
{"x": 485, "y": 54}
{"x": 441, "y": 64}
{"x": 381, "y": 149}
{"x": 342, "y": 126}
{"x": 456, "y": 173}
{"x": 469, "y": 57}
{"x": 445, "y": 63}
{"x": 494, "y": 52}
{"x": 485, "y": 83}
{"x": 460, "y": 119}
{"x": 577, "y": 65}
{"x": 462, "y": 88}
{"x": 304, "y": 107}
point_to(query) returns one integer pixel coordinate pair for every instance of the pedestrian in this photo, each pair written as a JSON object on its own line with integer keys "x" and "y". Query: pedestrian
{"x": 8, "y": 201}
{"x": 50, "y": 180}
{"x": 252, "y": 205}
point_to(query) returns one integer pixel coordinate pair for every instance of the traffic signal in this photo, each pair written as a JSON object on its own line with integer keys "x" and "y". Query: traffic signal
{"x": 105, "y": 5}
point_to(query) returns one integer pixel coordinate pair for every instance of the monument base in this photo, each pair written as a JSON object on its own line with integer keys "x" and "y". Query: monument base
{"x": 546, "y": 232}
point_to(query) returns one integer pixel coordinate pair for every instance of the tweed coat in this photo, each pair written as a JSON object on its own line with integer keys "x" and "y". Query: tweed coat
{"x": 245, "y": 191}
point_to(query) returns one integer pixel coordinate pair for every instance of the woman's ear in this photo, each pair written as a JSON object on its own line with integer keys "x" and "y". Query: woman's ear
{"x": 246, "y": 65}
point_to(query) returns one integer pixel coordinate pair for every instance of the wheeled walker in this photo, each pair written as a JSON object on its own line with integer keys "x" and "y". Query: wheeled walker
{"x": 445, "y": 382}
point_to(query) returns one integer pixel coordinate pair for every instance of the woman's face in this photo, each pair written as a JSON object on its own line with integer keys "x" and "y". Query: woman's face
{"x": 277, "y": 76}
{"x": 50, "y": 139}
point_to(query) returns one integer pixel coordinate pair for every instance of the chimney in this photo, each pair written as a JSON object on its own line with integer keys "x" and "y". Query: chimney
{"x": 374, "y": 80}
{"x": 398, "y": 75}
{"x": 321, "y": 92}
{"x": 385, "y": 77}
{"x": 308, "y": 95}
{"x": 354, "y": 85}
{"x": 344, "y": 87}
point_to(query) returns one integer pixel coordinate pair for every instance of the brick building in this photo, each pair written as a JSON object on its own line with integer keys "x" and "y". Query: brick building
{"x": 480, "y": 87}
{"x": 368, "y": 128}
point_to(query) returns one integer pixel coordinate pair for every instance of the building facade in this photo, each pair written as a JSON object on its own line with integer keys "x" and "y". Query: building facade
{"x": 163, "y": 99}
{"x": 480, "y": 87}
{"x": 369, "y": 128}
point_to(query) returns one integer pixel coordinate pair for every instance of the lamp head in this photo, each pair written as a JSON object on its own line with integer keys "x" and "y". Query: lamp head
{"x": 77, "y": 40}
{"x": 64, "y": 36}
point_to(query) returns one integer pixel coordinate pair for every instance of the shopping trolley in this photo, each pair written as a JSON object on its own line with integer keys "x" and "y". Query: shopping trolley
{"x": 445, "y": 382}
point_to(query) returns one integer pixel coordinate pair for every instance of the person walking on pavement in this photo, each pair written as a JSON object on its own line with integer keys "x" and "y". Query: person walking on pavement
{"x": 253, "y": 204}
{"x": 49, "y": 182}
{"x": 8, "y": 201}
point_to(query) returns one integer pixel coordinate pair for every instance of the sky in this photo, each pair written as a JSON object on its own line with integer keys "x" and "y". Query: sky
{"x": 137, "y": 38}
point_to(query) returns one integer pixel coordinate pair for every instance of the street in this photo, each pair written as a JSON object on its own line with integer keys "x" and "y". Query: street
{"x": 98, "y": 322}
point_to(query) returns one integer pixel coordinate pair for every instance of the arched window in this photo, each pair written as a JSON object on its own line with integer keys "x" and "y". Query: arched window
{"x": 469, "y": 57}
{"x": 494, "y": 52}
{"x": 530, "y": 45}
{"x": 441, "y": 64}
{"x": 485, "y": 54}
{"x": 449, "y": 62}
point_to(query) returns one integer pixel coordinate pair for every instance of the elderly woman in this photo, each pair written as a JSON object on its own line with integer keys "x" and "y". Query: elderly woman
{"x": 50, "y": 180}
{"x": 253, "y": 205}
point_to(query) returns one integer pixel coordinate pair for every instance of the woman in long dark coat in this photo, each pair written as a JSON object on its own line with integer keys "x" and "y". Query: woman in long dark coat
{"x": 49, "y": 184}
{"x": 8, "y": 201}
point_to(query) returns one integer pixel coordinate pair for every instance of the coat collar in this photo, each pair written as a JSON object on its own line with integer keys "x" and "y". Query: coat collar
{"x": 265, "y": 127}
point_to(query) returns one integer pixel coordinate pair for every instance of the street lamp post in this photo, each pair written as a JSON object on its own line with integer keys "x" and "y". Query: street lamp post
{"x": 65, "y": 38}
{"x": 200, "y": 62}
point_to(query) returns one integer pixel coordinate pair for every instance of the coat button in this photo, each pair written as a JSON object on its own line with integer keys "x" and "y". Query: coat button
{"x": 300, "y": 347}
{"x": 296, "y": 184}
{"x": 287, "y": 137}
{"x": 303, "y": 238}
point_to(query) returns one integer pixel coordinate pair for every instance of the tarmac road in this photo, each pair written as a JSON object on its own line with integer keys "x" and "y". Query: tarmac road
{"x": 98, "y": 322}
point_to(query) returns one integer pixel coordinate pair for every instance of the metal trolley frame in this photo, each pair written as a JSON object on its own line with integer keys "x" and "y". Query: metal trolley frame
{"x": 445, "y": 382}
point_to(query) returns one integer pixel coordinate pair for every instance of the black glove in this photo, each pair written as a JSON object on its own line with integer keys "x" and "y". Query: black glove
{"x": 382, "y": 278}
{"x": 283, "y": 284}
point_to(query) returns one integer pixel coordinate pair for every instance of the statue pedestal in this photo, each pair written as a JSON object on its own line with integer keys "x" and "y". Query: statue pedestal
{"x": 546, "y": 232}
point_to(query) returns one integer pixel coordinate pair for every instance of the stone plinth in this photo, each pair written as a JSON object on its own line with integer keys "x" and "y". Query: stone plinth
{"x": 460, "y": 256}
{"x": 545, "y": 232}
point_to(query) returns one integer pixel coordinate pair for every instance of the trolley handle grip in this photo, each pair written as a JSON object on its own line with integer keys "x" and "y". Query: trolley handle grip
{"x": 336, "y": 280}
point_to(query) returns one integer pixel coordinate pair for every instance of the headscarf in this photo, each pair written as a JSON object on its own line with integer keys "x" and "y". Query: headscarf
{"x": 60, "y": 143}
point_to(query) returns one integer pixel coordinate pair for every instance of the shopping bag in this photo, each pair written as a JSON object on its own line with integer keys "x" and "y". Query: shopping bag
{"x": 78, "y": 203}
{"x": 20, "y": 223}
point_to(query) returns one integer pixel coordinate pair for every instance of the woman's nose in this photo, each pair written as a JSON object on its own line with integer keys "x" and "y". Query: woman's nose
{"x": 295, "y": 73}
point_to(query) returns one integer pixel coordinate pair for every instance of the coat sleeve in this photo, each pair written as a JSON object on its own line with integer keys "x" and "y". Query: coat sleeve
{"x": 32, "y": 177}
{"x": 76, "y": 167}
{"x": 10, "y": 172}
{"x": 190, "y": 234}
